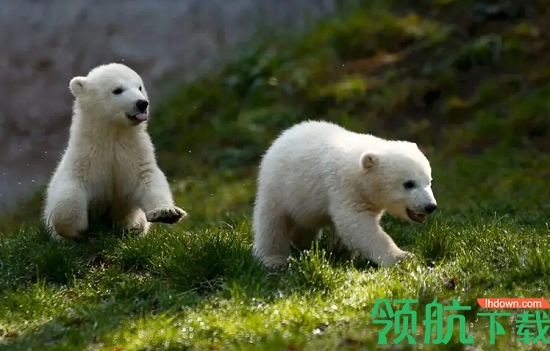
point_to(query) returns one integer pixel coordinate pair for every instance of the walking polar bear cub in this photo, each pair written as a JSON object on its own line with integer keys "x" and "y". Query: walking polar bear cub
{"x": 317, "y": 173}
{"x": 109, "y": 164}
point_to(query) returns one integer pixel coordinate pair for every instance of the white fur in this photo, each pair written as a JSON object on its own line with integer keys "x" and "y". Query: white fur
{"x": 318, "y": 173}
{"x": 109, "y": 164}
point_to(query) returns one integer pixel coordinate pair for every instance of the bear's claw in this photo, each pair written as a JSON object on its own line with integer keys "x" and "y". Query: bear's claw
{"x": 168, "y": 215}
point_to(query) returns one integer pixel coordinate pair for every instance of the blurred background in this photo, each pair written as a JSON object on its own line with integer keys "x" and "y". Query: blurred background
{"x": 462, "y": 78}
{"x": 45, "y": 43}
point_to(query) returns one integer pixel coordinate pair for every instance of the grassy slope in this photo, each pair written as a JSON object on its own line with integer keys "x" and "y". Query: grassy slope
{"x": 473, "y": 92}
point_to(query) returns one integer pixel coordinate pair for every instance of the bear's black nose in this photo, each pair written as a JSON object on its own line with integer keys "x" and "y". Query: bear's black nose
{"x": 142, "y": 105}
{"x": 430, "y": 208}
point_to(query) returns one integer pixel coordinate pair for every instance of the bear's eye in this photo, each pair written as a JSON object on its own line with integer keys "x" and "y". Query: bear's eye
{"x": 140, "y": 88}
{"x": 118, "y": 91}
{"x": 408, "y": 184}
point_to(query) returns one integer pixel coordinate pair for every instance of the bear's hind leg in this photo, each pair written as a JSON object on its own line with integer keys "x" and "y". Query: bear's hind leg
{"x": 66, "y": 210}
{"x": 271, "y": 235}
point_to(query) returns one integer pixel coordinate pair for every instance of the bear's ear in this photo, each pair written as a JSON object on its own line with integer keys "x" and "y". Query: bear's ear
{"x": 369, "y": 160}
{"x": 77, "y": 85}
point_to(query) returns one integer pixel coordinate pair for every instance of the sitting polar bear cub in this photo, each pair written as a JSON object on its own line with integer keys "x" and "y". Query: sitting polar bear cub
{"x": 317, "y": 173}
{"x": 109, "y": 164}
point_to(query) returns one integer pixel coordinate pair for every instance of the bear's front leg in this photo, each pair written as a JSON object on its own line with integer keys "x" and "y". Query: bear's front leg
{"x": 131, "y": 220}
{"x": 155, "y": 198}
{"x": 360, "y": 232}
{"x": 66, "y": 210}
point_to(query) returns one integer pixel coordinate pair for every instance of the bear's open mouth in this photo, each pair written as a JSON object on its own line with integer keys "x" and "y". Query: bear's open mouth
{"x": 138, "y": 117}
{"x": 416, "y": 217}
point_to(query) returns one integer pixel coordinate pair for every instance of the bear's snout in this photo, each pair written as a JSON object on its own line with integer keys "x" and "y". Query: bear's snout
{"x": 430, "y": 208}
{"x": 142, "y": 105}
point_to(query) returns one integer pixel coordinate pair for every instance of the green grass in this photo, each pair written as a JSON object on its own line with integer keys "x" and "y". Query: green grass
{"x": 473, "y": 93}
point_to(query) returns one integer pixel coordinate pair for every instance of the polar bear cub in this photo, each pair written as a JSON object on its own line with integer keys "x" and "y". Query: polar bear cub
{"x": 318, "y": 173}
{"x": 109, "y": 165}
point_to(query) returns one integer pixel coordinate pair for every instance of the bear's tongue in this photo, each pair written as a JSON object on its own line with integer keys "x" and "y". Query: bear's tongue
{"x": 417, "y": 217}
{"x": 142, "y": 116}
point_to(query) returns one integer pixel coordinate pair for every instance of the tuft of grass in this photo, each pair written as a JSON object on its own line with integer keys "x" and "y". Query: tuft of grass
{"x": 467, "y": 81}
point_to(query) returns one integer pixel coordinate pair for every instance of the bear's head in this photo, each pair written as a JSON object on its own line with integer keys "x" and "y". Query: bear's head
{"x": 112, "y": 92}
{"x": 399, "y": 180}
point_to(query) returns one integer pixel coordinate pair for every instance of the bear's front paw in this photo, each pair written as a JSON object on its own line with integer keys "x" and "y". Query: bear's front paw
{"x": 393, "y": 258}
{"x": 168, "y": 215}
{"x": 273, "y": 261}
{"x": 58, "y": 238}
{"x": 138, "y": 228}
{"x": 404, "y": 255}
